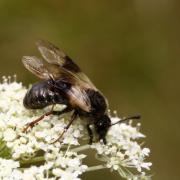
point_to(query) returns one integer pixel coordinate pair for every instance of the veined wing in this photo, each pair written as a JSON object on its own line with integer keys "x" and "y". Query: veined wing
{"x": 76, "y": 94}
{"x": 54, "y": 55}
{"x": 42, "y": 69}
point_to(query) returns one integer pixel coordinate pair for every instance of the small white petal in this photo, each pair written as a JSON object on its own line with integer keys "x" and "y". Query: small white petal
{"x": 9, "y": 135}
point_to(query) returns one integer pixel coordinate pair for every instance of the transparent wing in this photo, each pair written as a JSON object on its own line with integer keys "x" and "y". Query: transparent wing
{"x": 79, "y": 98}
{"x": 51, "y": 53}
{"x": 36, "y": 66}
{"x": 54, "y": 55}
{"x": 43, "y": 70}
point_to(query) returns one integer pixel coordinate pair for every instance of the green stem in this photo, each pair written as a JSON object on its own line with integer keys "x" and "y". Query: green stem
{"x": 2, "y": 148}
{"x": 33, "y": 160}
{"x": 94, "y": 168}
{"x": 81, "y": 148}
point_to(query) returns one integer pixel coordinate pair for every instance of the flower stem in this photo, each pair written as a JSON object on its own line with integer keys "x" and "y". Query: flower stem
{"x": 81, "y": 148}
{"x": 94, "y": 168}
{"x": 33, "y": 160}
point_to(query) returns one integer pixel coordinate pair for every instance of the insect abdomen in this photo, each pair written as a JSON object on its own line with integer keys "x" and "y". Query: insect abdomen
{"x": 40, "y": 96}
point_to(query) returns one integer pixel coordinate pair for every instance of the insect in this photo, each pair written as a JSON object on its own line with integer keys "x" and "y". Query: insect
{"x": 63, "y": 82}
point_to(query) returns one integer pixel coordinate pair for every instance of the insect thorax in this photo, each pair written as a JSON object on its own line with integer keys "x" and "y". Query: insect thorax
{"x": 98, "y": 103}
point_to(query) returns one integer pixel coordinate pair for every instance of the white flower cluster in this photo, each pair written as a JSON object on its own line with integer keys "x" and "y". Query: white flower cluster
{"x": 31, "y": 155}
{"x": 122, "y": 151}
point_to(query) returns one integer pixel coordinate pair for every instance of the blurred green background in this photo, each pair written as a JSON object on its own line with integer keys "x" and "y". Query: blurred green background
{"x": 130, "y": 49}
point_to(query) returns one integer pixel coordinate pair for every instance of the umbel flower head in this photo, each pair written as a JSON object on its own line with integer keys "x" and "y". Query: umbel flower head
{"x": 28, "y": 156}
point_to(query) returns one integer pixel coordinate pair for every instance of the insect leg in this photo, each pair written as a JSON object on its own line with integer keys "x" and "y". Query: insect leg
{"x": 33, "y": 123}
{"x": 90, "y": 134}
{"x": 104, "y": 140}
{"x": 73, "y": 117}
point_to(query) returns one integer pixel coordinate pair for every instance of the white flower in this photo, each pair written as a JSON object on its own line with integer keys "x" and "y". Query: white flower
{"x": 43, "y": 160}
{"x": 122, "y": 150}
{"x": 9, "y": 134}
{"x": 8, "y": 168}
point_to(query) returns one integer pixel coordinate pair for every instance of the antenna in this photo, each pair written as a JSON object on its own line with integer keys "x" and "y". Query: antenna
{"x": 127, "y": 118}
